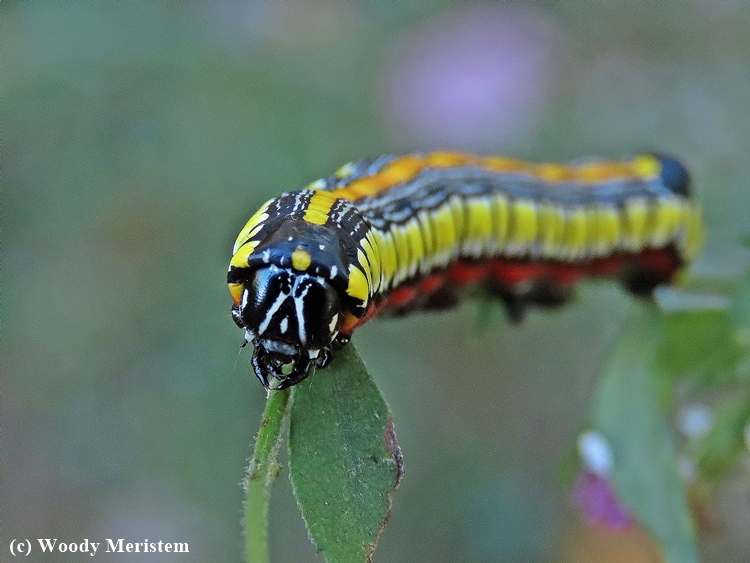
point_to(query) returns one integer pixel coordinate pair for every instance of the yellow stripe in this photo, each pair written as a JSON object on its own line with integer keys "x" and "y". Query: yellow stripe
{"x": 372, "y": 252}
{"x": 357, "y": 287}
{"x": 605, "y": 223}
{"x": 457, "y": 213}
{"x": 551, "y": 226}
{"x": 635, "y": 213}
{"x": 416, "y": 249}
{"x": 389, "y": 263}
{"x": 500, "y": 220}
{"x": 664, "y": 219}
{"x": 241, "y": 257}
{"x": 523, "y": 226}
{"x": 252, "y": 227}
{"x": 479, "y": 226}
{"x": 319, "y": 207}
{"x": 428, "y": 241}
{"x": 574, "y": 239}
{"x": 445, "y": 233}
{"x": 401, "y": 242}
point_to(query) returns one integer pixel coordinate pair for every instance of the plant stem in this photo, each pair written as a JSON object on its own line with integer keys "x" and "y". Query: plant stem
{"x": 261, "y": 474}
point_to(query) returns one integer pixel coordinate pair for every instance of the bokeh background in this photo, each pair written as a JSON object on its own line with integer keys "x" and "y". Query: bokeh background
{"x": 136, "y": 140}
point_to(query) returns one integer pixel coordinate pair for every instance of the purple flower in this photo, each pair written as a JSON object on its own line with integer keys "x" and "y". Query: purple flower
{"x": 594, "y": 497}
{"x": 477, "y": 76}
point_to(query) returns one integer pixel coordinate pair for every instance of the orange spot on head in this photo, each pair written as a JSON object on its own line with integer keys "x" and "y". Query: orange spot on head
{"x": 349, "y": 323}
{"x": 235, "y": 290}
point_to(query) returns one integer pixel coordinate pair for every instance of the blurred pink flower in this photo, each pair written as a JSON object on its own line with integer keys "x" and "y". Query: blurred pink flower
{"x": 478, "y": 76}
{"x": 593, "y": 495}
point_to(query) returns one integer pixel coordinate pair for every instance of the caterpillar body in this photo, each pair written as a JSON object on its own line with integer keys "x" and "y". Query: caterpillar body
{"x": 398, "y": 233}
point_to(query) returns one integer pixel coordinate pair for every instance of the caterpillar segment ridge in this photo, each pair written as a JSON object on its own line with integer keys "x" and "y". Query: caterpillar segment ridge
{"x": 395, "y": 234}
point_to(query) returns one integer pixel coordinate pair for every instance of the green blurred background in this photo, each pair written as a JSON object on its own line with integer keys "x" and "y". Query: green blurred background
{"x": 136, "y": 140}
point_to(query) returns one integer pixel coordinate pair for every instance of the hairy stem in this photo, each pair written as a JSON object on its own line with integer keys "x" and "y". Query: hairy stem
{"x": 261, "y": 473}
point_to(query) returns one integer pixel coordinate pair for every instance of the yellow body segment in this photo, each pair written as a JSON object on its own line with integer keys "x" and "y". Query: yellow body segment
{"x": 389, "y": 259}
{"x": 428, "y": 239}
{"x": 358, "y": 287}
{"x": 635, "y": 214}
{"x": 403, "y": 254}
{"x": 252, "y": 227}
{"x": 523, "y": 227}
{"x": 479, "y": 227}
{"x": 416, "y": 247}
{"x": 665, "y": 219}
{"x": 551, "y": 225}
{"x": 445, "y": 233}
{"x": 500, "y": 221}
{"x": 319, "y": 207}
{"x": 575, "y": 233}
{"x": 372, "y": 253}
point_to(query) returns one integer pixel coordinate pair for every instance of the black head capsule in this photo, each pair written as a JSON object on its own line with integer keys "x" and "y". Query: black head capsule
{"x": 290, "y": 282}
{"x": 291, "y": 318}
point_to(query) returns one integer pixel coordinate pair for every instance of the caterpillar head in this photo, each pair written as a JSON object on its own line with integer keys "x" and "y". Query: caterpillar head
{"x": 291, "y": 318}
{"x": 290, "y": 298}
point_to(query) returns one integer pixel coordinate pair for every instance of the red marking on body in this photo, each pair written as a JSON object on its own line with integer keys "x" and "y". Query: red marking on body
{"x": 511, "y": 273}
{"x": 565, "y": 274}
{"x": 400, "y": 297}
{"x": 662, "y": 261}
{"x": 609, "y": 266}
{"x": 463, "y": 272}
{"x": 430, "y": 284}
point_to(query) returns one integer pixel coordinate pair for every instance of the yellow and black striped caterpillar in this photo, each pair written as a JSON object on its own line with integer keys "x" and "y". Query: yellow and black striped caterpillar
{"x": 397, "y": 233}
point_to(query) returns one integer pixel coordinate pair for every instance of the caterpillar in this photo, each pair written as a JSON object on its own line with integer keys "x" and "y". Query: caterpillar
{"x": 398, "y": 233}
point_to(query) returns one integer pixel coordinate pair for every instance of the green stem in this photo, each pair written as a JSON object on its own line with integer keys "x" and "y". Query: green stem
{"x": 261, "y": 474}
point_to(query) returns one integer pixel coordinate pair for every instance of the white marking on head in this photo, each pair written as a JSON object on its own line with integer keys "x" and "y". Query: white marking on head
{"x": 299, "y": 306}
{"x": 272, "y": 311}
{"x": 332, "y": 325}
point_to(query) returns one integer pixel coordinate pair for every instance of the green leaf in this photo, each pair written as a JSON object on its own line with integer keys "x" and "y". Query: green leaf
{"x": 344, "y": 461}
{"x": 720, "y": 449}
{"x": 701, "y": 344}
{"x": 626, "y": 412}
{"x": 740, "y": 313}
